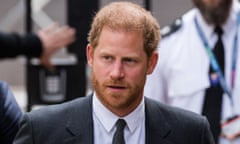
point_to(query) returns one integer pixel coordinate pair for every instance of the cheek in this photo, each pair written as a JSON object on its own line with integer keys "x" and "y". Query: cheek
{"x": 100, "y": 71}
{"x": 137, "y": 75}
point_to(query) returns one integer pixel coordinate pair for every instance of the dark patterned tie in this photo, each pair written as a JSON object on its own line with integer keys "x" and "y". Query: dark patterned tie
{"x": 118, "y": 137}
{"x": 213, "y": 96}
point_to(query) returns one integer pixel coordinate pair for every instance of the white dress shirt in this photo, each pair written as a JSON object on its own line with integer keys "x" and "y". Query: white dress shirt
{"x": 181, "y": 76}
{"x": 104, "y": 124}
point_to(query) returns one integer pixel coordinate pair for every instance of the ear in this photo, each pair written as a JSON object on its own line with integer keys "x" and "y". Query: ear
{"x": 89, "y": 52}
{"x": 152, "y": 62}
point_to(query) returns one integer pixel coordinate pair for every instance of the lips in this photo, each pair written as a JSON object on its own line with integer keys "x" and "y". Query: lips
{"x": 116, "y": 87}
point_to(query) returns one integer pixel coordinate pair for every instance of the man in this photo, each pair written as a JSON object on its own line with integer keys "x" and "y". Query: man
{"x": 121, "y": 52}
{"x": 186, "y": 75}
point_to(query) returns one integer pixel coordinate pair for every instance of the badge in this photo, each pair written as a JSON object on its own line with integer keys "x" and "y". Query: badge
{"x": 231, "y": 128}
{"x": 214, "y": 79}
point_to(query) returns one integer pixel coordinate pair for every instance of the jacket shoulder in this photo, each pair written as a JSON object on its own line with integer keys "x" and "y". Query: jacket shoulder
{"x": 172, "y": 121}
{"x": 174, "y": 113}
{"x": 172, "y": 28}
{"x": 53, "y": 112}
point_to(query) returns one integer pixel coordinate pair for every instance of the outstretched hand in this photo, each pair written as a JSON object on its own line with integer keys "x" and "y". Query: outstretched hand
{"x": 53, "y": 39}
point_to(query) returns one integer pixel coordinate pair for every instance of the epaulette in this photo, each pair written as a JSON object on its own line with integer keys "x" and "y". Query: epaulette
{"x": 168, "y": 30}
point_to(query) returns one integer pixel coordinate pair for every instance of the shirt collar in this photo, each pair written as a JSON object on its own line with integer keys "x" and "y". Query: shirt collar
{"x": 108, "y": 119}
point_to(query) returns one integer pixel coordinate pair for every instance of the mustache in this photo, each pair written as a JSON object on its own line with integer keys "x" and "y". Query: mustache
{"x": 118, "y": 83}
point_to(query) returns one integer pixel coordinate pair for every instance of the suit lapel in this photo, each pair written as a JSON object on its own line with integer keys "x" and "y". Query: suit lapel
{"x": 80, "y": 124}
{"x": 157, "y": 127}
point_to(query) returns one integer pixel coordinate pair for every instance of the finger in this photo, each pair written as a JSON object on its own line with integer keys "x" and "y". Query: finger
{"x": 65, "y": 35}
{"x": 47, "y": 64}
{"x": 71, "y": 33}
{"x": 65, "y": 31}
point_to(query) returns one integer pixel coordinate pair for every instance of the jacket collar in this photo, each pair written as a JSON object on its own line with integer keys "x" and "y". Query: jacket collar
{"x": 157, "y": 127}
{"x": 80, "y": 124}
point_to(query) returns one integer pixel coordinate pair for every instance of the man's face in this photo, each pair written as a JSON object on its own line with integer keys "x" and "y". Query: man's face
{"x": 214, "y": 11}
{"x": 119, "y": 68}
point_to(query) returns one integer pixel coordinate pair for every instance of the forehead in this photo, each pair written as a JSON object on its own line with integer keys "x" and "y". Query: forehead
{"x": 121, "y": 40}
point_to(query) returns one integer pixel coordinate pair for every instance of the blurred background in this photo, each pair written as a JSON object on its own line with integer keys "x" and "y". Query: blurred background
{"x": 22, "y": 16}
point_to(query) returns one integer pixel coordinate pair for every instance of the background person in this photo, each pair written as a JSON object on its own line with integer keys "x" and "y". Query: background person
{"x": 184, "y": 77}
{"x": 43, "y": 45}
{"x": 10, "y": 114}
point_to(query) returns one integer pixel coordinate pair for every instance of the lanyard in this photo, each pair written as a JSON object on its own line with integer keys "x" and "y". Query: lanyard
{"x": 214, "y": 63}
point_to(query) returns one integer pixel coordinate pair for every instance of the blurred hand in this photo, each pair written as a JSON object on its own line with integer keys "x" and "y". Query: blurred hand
{"x": 53, "y": 39}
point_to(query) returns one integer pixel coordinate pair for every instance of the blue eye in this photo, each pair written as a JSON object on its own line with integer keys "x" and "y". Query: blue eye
{"x": 130, "y": 61}
{"x": 107, "y": 58}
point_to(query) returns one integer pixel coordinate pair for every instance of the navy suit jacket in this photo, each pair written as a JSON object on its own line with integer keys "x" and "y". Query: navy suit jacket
{"x": 10, "y": 115}
{"x": 72, "y": 123}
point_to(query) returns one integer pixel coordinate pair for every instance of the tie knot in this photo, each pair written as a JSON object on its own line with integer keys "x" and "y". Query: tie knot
{"x": 120, "y": 123}
{"x": 218, "y": 30}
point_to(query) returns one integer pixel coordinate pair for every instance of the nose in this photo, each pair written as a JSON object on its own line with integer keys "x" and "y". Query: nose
{"x": 117, "y": 72}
